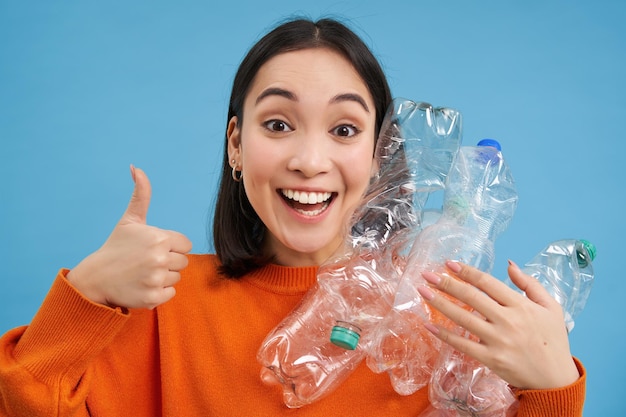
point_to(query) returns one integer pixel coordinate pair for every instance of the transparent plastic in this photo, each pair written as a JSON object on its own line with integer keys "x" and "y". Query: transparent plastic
{"x": 479, "y": 202}
{"x": 355, "y": 289}
{"x": 564, "y": 269}
{"x": 461, "y": 386}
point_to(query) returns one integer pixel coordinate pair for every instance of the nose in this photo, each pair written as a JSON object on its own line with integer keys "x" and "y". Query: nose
{"x": 312, "y": 154}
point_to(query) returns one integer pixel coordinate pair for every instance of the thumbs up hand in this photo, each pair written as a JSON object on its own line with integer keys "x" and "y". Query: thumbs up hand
{"x": 138, "y": 264}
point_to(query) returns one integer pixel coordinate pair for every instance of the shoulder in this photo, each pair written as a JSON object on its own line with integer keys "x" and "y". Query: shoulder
{"x": 202, "y": 274}
{"x": 198, "y": 280}
{"x": 201, "y": 268}
{"x": 203, "y": 262}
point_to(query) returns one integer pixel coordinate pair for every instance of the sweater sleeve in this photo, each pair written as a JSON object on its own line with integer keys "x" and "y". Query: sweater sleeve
{"x": 44, "y": 367}
{"x": 561, "y": 402}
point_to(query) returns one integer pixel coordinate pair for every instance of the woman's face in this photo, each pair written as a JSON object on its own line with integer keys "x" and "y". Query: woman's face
{"x": 305, "y": 147}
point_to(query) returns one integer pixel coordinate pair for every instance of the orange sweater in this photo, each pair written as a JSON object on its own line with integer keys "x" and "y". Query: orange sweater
{"x": 193, "y": 356}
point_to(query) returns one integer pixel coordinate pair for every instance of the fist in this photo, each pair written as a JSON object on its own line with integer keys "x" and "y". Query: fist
{"x": 138, "y": 264}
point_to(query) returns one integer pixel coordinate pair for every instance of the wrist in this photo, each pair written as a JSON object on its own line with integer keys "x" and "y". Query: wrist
{"x": 570, "y": 376}
{"x": 561, "y": 376}
{"x": 80, "y": 278}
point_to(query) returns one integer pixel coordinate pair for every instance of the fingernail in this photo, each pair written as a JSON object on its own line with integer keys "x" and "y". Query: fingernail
{"x": 513, "y": 264}
{"x": 132, "y": 172}
{"x": 453, "y": 266}
{"x": 431, "y": 277}
{"x": 425, "y": 292}
{"x": 431, "y": 328}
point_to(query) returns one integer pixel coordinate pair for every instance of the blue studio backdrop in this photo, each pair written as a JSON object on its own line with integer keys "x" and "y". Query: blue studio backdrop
{"x": 87, "y": 88}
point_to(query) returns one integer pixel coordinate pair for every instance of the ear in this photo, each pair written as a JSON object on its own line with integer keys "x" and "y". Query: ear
{"x": 233, "y": 134}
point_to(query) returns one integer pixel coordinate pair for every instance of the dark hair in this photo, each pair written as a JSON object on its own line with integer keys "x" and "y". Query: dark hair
{"x": 238, "y": 232}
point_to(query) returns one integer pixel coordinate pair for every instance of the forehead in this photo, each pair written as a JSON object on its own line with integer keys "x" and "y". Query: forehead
{"x": 310, "y": 68}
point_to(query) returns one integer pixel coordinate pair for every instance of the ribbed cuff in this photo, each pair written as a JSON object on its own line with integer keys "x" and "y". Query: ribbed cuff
{"x": 67, "y": 332}
{"x": 560, "y": 402}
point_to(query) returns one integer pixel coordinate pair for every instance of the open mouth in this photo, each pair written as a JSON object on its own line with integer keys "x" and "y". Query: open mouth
{"x": 307, "y": 203}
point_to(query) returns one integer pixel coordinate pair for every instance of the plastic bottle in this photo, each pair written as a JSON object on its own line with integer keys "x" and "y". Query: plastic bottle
{"x": 479, "y": 202}
{"x": 564, "y": 269}
{"x": 355, "y": 288}
{"x": 461, "y": 385}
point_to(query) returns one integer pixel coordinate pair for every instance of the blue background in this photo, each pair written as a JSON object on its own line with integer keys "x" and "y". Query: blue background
{"x": 86, "y": 88}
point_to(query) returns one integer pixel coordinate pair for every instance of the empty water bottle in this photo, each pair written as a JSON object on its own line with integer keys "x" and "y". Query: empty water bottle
{"x": 564, "y": 269}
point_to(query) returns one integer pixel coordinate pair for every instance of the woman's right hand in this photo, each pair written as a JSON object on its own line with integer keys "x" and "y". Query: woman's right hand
{"x": 138, "y": 264}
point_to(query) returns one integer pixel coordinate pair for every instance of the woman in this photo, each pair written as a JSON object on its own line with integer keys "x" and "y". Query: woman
{"x": 127, "y": 333}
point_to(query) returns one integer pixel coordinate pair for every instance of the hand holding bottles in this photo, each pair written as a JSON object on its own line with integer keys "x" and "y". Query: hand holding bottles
{"x": 138, "y": 264}
{"x": 458, "y": 383}
{"x": 511, "y": 320}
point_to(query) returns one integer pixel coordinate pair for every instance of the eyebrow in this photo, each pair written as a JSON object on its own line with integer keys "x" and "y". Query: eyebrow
{"x": 275, "y": 91}
{"x": 351, "y": 97}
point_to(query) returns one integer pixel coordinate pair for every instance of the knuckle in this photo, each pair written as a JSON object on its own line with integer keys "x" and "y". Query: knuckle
{"x": 473, "y": 297}
{"x": 160, "y": 260}
{"x": 465, "y": 320}
{"x": 499, "y": 362}
{"x": 481, "y": 279}
{"x": 151, "y": 299}
{"x": 158, "y": 237}
{"x": 154, "y": 281}
{"x": 446, "y": 282}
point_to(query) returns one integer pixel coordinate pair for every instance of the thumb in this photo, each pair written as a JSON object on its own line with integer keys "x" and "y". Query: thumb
{"x": 137, "y": 210}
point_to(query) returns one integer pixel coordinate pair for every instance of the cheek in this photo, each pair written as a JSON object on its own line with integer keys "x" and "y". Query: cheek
{"x": 261, "y": 166}
{"x": 358, "y": 171}
{"x": 258, "y": 159}
{"x": 257, "y": 163}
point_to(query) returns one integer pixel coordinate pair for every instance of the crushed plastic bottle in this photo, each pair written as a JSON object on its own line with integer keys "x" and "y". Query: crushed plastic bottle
{"x": 479, "y": 202}
{"x": 564, "y": 269}
{"x": 321, "y": 342}
{"x": 462, "y": 386}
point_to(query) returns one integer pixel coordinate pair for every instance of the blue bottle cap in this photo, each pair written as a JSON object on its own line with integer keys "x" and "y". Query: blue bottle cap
{"x": 490, "y": 142}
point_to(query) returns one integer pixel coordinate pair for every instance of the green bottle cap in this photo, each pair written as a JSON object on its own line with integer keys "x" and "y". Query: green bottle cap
{"x": 346, "y": 337}
{"x": 591, "y": 250}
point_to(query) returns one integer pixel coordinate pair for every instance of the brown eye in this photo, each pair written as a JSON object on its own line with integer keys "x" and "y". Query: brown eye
{"x": 345, "y": 130}
{"x": 277, "y": 126}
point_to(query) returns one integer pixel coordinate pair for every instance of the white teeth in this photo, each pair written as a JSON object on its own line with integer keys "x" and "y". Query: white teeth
{"x": 303, "y": 197}
{"x": 310, "y": 213}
